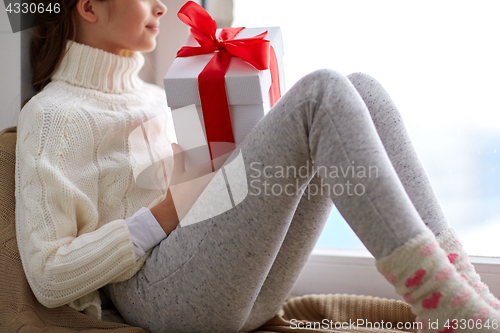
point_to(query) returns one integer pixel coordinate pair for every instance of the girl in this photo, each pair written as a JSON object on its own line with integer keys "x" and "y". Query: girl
{"x": 83, "y": 223}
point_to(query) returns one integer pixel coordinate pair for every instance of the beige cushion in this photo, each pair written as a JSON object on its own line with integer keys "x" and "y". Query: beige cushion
{"x": 342, "y": 309}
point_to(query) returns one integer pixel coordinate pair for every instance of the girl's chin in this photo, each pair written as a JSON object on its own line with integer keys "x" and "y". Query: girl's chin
{"x": 145, "y": 48}
{"x": 149, "y": 49}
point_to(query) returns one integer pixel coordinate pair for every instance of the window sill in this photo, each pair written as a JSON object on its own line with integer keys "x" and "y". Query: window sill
{"x": 332, "y": 271}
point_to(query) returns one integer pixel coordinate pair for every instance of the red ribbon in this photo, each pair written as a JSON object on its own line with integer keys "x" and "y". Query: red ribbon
{"x": 211, "y": 82}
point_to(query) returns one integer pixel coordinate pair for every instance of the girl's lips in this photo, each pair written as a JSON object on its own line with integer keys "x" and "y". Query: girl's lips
{"x": 154, "y": 27}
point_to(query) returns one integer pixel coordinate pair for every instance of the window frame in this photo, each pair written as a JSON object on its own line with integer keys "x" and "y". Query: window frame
{"x": 336, "y": 271}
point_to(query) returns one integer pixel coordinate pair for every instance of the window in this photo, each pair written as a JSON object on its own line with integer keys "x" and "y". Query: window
{"x": 439, "y": 62}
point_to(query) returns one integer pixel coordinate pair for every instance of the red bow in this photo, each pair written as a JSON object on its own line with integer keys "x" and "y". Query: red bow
{"x": 211, "y": 81}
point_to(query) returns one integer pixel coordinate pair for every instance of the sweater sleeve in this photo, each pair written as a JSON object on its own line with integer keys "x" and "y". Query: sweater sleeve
{"x": 64, "y": 252}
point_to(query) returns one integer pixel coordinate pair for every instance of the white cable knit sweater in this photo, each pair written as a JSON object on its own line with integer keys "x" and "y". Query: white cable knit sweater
{"x": 74, "y": 176}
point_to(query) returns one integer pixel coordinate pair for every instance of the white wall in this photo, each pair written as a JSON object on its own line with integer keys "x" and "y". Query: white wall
{"x": 221, "y": 11}
{"x": 10, "y": 69}
{"x": 173, "y": 35}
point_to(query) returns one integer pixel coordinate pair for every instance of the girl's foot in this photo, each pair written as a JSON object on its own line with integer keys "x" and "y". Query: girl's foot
{"x": 448, "y": 240}
{"x": 442, "y": 300}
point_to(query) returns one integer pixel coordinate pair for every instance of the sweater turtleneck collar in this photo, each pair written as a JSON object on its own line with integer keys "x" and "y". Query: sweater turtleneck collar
{"x": 92, "y": 68}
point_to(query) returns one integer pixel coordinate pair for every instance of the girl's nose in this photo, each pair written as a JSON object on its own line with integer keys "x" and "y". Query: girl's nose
{"x": 160, "y": 9}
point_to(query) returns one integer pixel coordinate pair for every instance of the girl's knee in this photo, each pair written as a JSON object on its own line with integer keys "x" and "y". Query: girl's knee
{"x": 325, "y": 75}
{"x": 323, "y": 81}
{"x": 360, "y": 78}
{"x": 366, "y": 85}
{"x": 373, "y": 93}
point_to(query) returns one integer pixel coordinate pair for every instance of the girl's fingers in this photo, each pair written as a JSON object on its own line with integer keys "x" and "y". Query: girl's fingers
{"x": 179, "y": 168}
{"x": 180, "y": 175}
{"x": 185, "y": 194}
{"x": 178, "y": 158}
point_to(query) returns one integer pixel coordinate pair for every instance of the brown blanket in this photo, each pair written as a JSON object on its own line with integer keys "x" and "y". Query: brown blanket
{"x": 21, "y": 312}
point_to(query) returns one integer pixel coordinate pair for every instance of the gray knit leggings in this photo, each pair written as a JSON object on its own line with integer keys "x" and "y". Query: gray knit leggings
{"x": 232, "y": 272}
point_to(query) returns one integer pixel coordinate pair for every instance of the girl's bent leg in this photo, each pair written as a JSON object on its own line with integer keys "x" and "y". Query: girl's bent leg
{"x": 305, "y": 228}
{"x": 206, "y": 276}
{"x": 410, "y": 170}
{"x": 397, "y": 143}
{"x": 390, "y": 127}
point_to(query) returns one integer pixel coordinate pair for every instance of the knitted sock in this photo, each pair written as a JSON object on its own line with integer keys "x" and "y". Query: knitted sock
{"x": 448, "y": 240}
{"x": 443, "y": 302}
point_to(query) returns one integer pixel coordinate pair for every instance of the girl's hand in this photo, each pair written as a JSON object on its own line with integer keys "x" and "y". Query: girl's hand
{"x": 180, "y": 174}
{"x": 187, "y": 186}
{"x": 184, "y": 189}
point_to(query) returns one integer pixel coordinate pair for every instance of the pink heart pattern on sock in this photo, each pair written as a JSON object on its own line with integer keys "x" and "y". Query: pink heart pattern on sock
{"x": 433, "y": 301}
{"x": 416, "y": 279}
{"x": 428, "y": 249}
{"x": 391, "y": 278}
{"x": 452, "y": 257}
{"x": 461, "y": 298}
{"x": 445, "y": 273}
{"x": 481, "y": 286}
{"x": 481, "y": 314}
{"x": 494, "y": 303}
{"x": 408, "y": 298}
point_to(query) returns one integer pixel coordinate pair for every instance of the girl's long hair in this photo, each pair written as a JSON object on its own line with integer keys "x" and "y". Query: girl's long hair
{"x": 48, "y": 44}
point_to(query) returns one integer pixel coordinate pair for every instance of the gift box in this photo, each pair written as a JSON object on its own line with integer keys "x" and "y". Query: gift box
{"x": 247, "y": 90}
